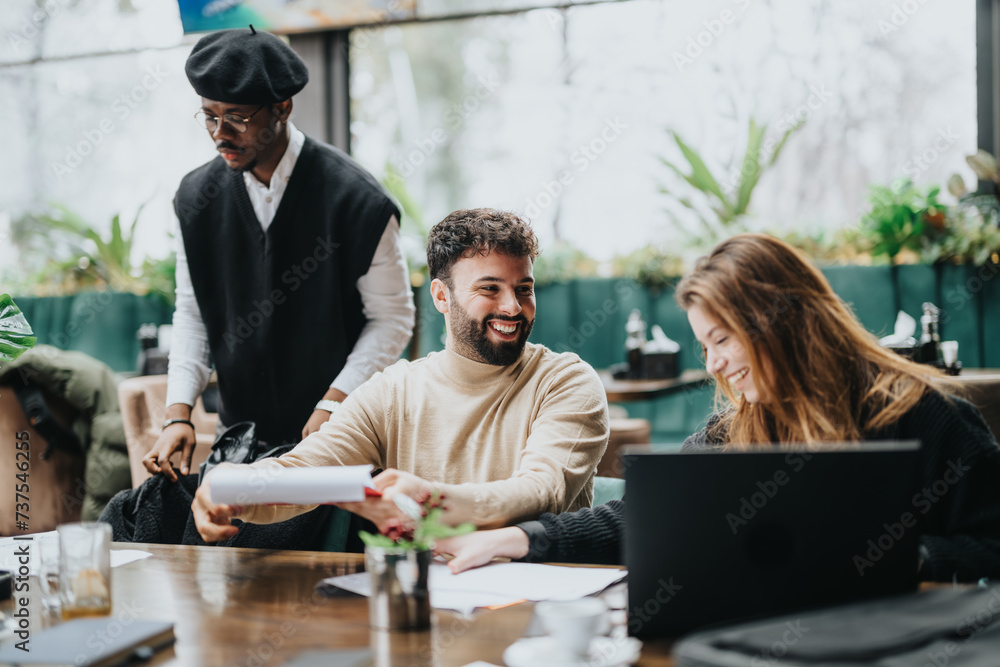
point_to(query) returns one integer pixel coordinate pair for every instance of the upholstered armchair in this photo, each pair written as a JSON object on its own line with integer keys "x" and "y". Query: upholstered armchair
{"x": 143, "y": 409}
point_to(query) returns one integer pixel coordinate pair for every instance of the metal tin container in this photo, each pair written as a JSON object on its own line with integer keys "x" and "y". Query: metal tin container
{"x": 399, "y": 598}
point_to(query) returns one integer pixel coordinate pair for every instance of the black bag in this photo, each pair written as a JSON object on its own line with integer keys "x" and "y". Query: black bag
{"x": 239, "y": 444}
{"x": 948, "y": 626}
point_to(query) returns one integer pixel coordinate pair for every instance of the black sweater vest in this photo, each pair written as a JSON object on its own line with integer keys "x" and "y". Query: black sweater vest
{"x": 281, "y": 307}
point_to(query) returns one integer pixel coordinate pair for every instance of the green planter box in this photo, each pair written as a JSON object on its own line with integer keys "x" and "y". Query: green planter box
{"x": 101, "y": 324}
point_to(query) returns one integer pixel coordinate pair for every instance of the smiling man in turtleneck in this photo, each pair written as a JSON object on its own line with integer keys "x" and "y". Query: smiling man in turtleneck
{"x": 506, "y": 429}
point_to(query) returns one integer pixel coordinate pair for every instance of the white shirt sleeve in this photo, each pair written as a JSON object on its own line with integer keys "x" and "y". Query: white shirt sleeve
{"x": 188, "y": 371}
{"x": 387, "y": 302}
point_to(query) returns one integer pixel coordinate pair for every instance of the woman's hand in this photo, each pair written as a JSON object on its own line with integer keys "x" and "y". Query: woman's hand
{"x": 476, "y": 549}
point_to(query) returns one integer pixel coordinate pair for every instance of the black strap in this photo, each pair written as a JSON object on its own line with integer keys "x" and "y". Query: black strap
{"x": 37, "y": 411}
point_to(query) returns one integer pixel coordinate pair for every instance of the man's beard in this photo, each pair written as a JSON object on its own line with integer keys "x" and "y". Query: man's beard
{"x": 249, "y": 166}
{"x": 473, "y": 336}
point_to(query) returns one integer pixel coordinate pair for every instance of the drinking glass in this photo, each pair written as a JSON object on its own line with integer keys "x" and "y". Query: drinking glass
{"x": 85, "y": 569}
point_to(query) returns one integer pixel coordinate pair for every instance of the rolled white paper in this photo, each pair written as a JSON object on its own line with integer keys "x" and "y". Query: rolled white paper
{"x": 244, "y": 485}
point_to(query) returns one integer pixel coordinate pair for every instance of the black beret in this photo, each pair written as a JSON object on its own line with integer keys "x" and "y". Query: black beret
{"x": 245, "y": 66}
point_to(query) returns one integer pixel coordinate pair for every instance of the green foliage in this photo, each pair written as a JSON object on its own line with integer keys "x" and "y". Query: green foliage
{"x": 840, "y": 246}
{"x": 653, "y": 267}
{"x": 422, "y": 534}
{"x": 92, "y": 261}
{"x": 972, "y": 236}
{"x": 973, "y": 233}
{"x": 900, "y": 218}
{"x": 16, "y": 336}
{"x": 563, "y": 262}
{"x": 728, "y": 203}
{"x": 413, "y": 231}
{"x": 377, "y": 540}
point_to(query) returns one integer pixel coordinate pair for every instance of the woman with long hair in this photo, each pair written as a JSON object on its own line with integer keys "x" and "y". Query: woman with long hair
{"x": 792, "y": 364}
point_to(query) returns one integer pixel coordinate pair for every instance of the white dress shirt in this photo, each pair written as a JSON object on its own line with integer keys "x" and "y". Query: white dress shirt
{"x": 386, "y": 298}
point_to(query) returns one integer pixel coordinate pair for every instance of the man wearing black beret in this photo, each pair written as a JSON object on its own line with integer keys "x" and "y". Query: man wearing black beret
{"x": 289, "y": 267}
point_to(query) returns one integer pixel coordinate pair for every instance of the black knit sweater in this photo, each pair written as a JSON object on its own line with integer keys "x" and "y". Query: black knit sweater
{"x": 961, "y": 528}
{"x": 281, "y": 307}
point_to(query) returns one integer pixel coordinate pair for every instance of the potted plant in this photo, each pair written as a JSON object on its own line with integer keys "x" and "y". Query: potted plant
{"x": 721, "y": 204}
{"x": 16, "y": 336}
{"x": 398, "y": 564}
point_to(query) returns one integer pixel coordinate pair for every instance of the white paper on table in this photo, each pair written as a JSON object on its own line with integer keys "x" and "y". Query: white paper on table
{"x": 295, "y": 486}
{"x": 11, "y": 549}
{"x": 123, "y": 556}
{"x": 498, "y": 584}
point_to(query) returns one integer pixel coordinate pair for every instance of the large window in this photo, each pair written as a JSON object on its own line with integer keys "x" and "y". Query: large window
{"x": 561, "y": 114}
{"x": 565, "y": 114}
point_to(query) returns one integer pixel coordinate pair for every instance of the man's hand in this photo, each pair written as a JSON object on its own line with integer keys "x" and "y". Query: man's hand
{"x": 476, "y": 549}
{"x": 213, "y": 521}
{"x": 320, "y": 417}
{"x": 393, "y": 481}
{"x": 174, "y": 437}
{"x": 383, "y": 512}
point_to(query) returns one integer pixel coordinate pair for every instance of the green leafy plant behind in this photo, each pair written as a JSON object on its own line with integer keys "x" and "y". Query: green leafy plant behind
{"x": 422, "y": 534}
{"x": 974, "y": 225}
{"x": 96, "y": 261}
{"x": 902, "y": 218}
{"x": 653, "y": 267}
{"x": 562, "y": 262}
{"x": 412, "y": 229}
{"x": 972, "y": 237}
{"x": 728, "y": 203}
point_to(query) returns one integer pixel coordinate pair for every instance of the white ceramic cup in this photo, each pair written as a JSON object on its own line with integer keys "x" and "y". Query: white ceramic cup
{"x": 574, "y": 623}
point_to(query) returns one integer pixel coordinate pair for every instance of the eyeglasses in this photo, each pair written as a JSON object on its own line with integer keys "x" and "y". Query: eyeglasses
{"x": 238, "y": 123}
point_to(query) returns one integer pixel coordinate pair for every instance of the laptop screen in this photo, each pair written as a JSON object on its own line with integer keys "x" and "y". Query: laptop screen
{"x": 714, "y": 537}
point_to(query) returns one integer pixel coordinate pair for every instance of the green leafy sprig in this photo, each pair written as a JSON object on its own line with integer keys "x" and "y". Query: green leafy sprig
{"x": 421, "y": 534}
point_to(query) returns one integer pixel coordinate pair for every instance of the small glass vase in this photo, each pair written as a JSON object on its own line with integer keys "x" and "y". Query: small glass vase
{"x": 399, "y": 597}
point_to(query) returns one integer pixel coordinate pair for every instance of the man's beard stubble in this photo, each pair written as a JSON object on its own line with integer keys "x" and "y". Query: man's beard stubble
{"x": 473, "y": 335}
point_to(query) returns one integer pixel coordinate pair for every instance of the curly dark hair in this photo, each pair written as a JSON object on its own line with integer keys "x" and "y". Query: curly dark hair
{"x": 467, "y": 232}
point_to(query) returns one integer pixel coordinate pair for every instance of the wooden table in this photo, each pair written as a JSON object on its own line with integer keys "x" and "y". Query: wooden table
{"x": 257, "y": 608}
{"x": 626, "y": 391}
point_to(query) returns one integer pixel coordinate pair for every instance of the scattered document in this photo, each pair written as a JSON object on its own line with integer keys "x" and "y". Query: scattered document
{"x": 293, "y": 486}
{"x": 498, "y": 584}
{"x": 11, "y": 550}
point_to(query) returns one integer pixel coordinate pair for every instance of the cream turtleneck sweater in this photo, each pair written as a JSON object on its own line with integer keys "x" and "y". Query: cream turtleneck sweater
{"x": 503, "y": 443}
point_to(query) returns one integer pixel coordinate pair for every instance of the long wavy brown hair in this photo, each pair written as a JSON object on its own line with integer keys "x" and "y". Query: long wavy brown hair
{"x": 821, "y": 375}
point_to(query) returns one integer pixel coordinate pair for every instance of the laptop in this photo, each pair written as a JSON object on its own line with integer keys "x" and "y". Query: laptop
{"x": 716, "y": 537}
